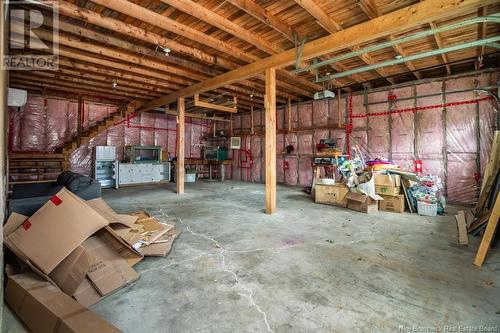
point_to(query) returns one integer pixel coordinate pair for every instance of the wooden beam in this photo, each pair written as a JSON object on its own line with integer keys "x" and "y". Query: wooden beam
{"x": 330, "y": 25}
{"x": 489, "y": 233}
{"x": 138, "y": 12}
{"x": 270, "y": 140}
{"x": 126, "y": 29}
{"x": 251, "y": 121}
{"x": 179, "y": 179}
{"x": 371, "y": 10}
{"x": 259, "y": 13}
{"x": 403, "y": 19}
{"x": 212, "y": 106}
{"x": 206, "y": 15}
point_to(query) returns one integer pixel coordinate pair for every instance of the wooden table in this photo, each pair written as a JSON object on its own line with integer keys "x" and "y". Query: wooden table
{"x": 221, "y": 164}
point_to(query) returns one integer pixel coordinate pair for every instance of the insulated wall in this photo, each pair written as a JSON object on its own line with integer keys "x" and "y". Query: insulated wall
{"x": 45, "y": 124}
{"x": 438, "y": 122}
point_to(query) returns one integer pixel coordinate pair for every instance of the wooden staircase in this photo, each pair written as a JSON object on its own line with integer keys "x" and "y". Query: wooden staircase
{"x": 86, "y": 136}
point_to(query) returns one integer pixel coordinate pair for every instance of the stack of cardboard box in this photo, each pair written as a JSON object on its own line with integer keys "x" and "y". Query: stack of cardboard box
{"x": 388, "y": 186}
{"x": 77, "y": 249}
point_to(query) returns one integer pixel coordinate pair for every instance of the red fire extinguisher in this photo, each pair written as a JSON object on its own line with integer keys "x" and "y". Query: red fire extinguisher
{"x": 417, "y": 166}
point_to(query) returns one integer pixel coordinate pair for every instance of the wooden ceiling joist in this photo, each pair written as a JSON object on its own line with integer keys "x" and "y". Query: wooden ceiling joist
{"x": 382, "y": 26}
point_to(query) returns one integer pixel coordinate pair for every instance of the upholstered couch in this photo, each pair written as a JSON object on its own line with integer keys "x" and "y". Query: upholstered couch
{"x": 28, "y": 198}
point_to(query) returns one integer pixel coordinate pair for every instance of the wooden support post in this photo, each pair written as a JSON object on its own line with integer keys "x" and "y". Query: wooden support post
{"x": 289, "y": 115}
{"x": 489, "y": 233}
{"x": 181, "y": 108}
{"x": 79, "y": 120}
{"x": 270, "y": 105}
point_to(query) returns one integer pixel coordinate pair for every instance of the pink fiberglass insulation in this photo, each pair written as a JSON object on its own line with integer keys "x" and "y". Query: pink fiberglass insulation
{"x": 246, "y": 121}
{"x": 320, "y": 113}
{"x": 280, "y": 118}
{"x": 160, "y": 136}
{"x": 334, "y": 111}
{"x": 305, "y": 144}
{"x": 32, "y": 130}
{"x": 256, "y": 146}
{"x": 357, "y": 109}
{"x": 280, "y": 144}
{"x": 339, "y": 136}
{"x": 291, "y": 174}
{"x": 378, "y": 136}
{"x": 14, "y": 129}
{"x": 429, "y": 123}
{"x": 402, "y": 129}
{"x": 461, "y": 142}
{"x": 115, "y": 136}
{"x": 147, "y": 120}
{"x": 171, "y": 135}
{"x": 461, "y": 120}
{"x": 72, "y": 115}
{"x": 305, "y": 115}
{"x": 256, "y": 173}
{"x": 280, "y": 172}
{"x": 305, "y": 171}
{"x": 488, "y": 114}
{"x": 56, "y": 124}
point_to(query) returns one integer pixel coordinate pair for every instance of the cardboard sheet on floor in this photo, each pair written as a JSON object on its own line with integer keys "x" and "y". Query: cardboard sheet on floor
{"x": 109, "y": 214}
{"x": 162, "y": 246}
{"x": 110, "y": 262}
{"x": 55, "y": 230}
{"x": 46, "y": 309}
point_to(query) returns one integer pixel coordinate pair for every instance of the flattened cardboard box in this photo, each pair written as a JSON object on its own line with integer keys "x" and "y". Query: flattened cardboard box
{"x": 65, "y": 267}
{"x": 108, "y": 270}
{"x": 55, "y": 230}
{"x": 46, "y": 309}
{"x": 331, "y": 194}
{"x": 70, "y": 273}
{"x": 87, "y": 292}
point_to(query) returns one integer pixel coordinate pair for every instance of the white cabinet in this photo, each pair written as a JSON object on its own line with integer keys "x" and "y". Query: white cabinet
{"x": 139, "y": 173}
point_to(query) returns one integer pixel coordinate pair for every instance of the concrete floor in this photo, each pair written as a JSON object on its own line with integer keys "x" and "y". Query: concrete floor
{"x": 308, "y": 268}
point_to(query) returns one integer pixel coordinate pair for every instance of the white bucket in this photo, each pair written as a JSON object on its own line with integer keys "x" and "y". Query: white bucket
{"x": 190, "y": 177}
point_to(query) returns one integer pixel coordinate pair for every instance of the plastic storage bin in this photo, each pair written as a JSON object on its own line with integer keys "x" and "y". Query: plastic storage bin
{"x": 190, "y": 177}
{"x": 427, "y": 209}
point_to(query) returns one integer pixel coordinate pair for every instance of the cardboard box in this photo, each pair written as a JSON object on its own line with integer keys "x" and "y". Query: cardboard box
{"x": 55, "y": 230}
{"x": 46, "y": 309}
{"x": 387, "y": 190}
{"x": 331, "y": 194}
{"x": 361, "y": 203}
{"x": 387, "y": 180}
{"x": 108, "y": 271}
{"x": 69, "y": 274}
{"x": 394, "y": 204}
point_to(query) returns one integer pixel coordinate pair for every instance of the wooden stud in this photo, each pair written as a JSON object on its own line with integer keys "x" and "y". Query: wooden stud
{"x": 488, "y": 234}
{"x": 179, "y": 180}
{"x": 270, "y": 106}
